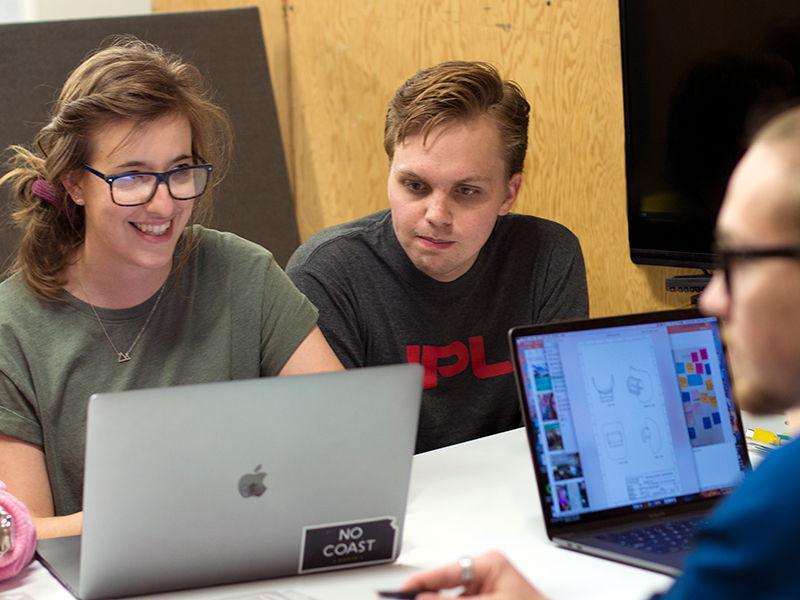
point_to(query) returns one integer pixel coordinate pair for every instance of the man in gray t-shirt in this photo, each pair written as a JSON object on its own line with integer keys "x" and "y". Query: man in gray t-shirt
{"x": 441, "y": 276}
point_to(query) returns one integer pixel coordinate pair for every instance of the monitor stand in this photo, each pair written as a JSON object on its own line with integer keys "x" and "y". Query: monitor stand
{"x": 693, "y": 284}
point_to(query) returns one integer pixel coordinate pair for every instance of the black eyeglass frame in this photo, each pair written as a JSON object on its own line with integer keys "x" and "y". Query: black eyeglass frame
{"x": 109, "y": 179}
{"x": 723, "y": 258}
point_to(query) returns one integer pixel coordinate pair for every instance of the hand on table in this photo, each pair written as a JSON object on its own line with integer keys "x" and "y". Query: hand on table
{"x": 494, "y": 578}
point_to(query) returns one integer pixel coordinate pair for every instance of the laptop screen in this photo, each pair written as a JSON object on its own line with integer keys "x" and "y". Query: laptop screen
{"x": 628, "y": 413}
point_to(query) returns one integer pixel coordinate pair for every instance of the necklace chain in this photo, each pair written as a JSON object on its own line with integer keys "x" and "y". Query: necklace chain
{"x": 123, "y": 356}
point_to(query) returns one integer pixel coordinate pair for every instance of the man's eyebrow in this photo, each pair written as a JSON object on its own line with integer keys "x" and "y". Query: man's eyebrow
{"x": 411, "y": 174}
{"x": 466, "y": 180}
{"x": 475, "y": 179}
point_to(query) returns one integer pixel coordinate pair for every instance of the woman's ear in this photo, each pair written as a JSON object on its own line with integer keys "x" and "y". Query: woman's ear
{"x": 71, "y": 183}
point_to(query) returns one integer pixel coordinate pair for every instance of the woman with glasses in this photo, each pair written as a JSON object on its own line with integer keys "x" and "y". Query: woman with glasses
{"x": 115, "y": 284}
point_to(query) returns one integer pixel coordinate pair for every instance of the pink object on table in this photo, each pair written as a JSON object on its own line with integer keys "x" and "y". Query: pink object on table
{"x": 23, "y": 535}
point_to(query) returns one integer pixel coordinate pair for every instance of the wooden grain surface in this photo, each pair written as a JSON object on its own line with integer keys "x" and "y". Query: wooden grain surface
{"x": 336, "y": 63}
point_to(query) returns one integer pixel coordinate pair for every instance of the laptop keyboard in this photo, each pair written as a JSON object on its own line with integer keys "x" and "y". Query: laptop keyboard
{"x": 661, "y": 539}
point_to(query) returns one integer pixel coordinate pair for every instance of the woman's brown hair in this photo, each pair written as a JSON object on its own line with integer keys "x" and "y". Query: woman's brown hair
{"x": 130, "y": 80}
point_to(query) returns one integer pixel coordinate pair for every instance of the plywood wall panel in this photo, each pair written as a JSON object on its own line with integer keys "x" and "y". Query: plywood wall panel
{"x": 341, "y": 60}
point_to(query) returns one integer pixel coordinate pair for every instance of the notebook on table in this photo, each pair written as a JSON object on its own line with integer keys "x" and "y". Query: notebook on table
{"x": 633, "y": 431}
{"x": 201, "y": 485}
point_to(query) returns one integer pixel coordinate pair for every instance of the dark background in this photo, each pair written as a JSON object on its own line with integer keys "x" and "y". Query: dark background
{"x": 700, "y": 76}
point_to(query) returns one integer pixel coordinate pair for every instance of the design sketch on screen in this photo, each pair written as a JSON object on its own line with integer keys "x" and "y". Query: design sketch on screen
{"x": 703, "y": 417}
{"x": 636, "y": 465}
{"x": 614, "y": 436}
{"x": 605, "y": 389}
{"x": 640, "y": 384}
{"x": 651, "y": 435}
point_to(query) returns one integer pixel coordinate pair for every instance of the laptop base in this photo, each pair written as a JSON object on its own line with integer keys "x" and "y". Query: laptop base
{"x": 61, "y": 556}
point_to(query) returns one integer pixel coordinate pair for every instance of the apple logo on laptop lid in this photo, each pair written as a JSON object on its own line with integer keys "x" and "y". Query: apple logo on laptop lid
{"x": 252, "y": 484}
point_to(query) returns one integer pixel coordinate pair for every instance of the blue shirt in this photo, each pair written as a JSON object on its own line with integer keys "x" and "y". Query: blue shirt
{"x": 749, "y": 550}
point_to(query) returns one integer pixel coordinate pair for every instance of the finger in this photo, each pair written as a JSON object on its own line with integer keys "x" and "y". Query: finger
{"x": 442, "y": 578}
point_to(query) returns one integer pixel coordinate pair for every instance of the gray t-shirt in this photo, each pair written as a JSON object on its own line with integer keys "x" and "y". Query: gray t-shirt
{"x": 232, "y": 314}
{"x": 377, "y": 308}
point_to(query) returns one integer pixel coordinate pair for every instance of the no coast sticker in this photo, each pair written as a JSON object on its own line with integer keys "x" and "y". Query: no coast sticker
{"x": 359, "y": 543}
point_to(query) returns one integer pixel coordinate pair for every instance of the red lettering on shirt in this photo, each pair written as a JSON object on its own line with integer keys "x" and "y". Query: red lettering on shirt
{"x": 479, "y": 366}
{"x": 431, "y": 355}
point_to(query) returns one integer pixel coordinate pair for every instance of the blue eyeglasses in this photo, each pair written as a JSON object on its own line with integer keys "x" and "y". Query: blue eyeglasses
{"x": 133, "y": 189}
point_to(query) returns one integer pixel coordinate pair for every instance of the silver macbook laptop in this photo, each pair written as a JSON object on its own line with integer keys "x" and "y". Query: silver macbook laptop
{"x": 208, "y": 484}
{"x": 633, "y": 431}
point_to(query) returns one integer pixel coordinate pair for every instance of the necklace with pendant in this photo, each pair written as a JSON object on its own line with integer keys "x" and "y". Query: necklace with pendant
{"x": 123, "y": 356}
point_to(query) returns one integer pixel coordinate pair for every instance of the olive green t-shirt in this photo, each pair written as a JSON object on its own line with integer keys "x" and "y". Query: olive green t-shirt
{"x": 231, "y": 314}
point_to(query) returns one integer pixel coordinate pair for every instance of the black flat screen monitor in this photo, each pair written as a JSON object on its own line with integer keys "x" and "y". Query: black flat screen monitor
{"x": 699, "y": 77}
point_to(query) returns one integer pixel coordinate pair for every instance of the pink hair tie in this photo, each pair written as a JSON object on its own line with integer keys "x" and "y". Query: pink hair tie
{"x": 17, "y": 537}
{"x": 47, "y": 192}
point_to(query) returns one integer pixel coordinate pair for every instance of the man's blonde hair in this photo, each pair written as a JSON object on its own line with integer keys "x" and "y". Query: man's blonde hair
{"x": 460, "y": 91}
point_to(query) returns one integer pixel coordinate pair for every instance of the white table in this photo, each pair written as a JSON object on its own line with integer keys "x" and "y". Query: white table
{"x": 464, "y": 499}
